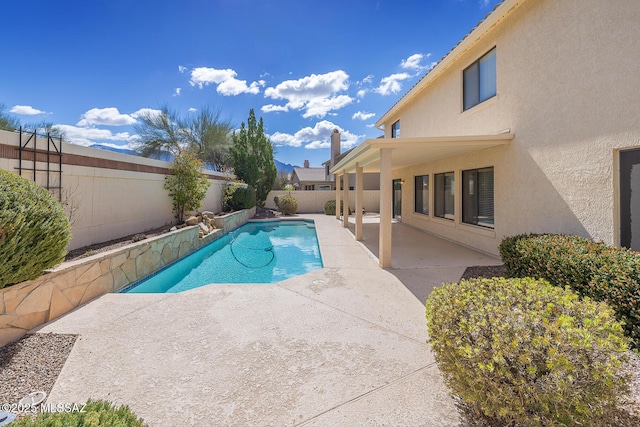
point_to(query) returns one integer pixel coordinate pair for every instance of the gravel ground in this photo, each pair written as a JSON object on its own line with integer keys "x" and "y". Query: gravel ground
{"x": 32, "y": 364}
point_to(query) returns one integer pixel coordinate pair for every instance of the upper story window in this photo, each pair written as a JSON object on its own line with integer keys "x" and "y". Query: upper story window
{"x": 479, "y": 80}
{"x": 395, "y": 130}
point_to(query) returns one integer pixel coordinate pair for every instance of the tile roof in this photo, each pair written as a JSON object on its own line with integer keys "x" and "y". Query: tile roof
{"x": 310, "y": 174}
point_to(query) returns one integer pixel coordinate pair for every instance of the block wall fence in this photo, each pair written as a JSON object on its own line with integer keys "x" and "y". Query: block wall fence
{"x": 116, "y": 194}
{"x": 313, "y": 201}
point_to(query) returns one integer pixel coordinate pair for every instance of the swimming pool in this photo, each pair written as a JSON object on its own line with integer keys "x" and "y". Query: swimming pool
{"x": 257, "y": 252}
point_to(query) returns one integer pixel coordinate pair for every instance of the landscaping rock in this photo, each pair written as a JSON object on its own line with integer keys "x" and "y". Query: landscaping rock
{"x": 204, "y": 228}
{"x": 192, "y": 220}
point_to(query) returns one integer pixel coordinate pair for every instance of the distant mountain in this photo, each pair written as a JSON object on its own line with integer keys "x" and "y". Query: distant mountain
{"x": 114, "y": 149}
{"x": 284, "y": 167}
{"x": 168, "y": 157}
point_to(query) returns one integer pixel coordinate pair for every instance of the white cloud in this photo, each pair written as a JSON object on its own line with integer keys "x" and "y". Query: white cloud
{"x": 226, "y": 80}
{"x": 182, "y": 69}
{"x": 279, "y": 139}
{"x": 391, "y": 84}
{"x": 361, "y": 93}
{"x": 361, "y": 115}
{"x": 319, "y": 107}
{"x": 270, "y": 108}
{"x": 314, "y": 94}
{"x": 177, "y": 91}
{"x": 192, "y": 110}
{"x": 366, "y": 80}
{"x": 105, "y": 116}
{"x": 88, "y": 136}
{"x": 413, "y": 62}
{"x": 27, "y": 110}
{"x": 149, "y": 111}
{"x": 315, "y": 137}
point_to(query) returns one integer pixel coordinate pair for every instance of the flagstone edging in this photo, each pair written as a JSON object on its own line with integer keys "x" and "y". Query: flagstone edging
{"x": 29, "y": 304}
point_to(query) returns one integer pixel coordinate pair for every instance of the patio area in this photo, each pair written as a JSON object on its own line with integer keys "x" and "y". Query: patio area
{"x": 344, "y": 345}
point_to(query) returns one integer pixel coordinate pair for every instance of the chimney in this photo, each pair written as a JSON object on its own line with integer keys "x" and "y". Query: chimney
{"x": 335, "y": 146}
{"x": 306, "y": 164}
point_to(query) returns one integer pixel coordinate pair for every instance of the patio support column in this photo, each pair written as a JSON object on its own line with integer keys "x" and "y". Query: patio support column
{"x": 384, "y": 245}
{"x": 338, "y": 197}
{"x": 359, "y": 201}
{"x": 345, "y": 208}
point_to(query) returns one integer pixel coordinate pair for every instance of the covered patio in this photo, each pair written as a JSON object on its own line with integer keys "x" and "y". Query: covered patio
{"x": 420, "y": 260}
{"x": 384, "y": 155}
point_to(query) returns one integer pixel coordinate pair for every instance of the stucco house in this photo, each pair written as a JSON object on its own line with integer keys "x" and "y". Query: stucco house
{"x": 530, "y": 124}
{"x": 308, "y": 178}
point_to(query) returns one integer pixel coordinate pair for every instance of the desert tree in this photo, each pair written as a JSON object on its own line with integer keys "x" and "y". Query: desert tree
{"x": 186, "y": 184}
{"x": 205, "y": 133}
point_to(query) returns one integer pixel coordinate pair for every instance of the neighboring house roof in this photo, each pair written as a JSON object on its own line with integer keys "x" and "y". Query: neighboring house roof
{"x": 491, "y": 20}
{"x": 340, "y": 156}
{"x": 309, "y": 174}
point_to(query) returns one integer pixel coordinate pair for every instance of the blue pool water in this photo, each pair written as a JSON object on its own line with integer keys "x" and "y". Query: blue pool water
{"x": 259, "y": 252}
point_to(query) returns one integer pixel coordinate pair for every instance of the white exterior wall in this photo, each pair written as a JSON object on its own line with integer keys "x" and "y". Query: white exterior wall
{"x": 567, "y": 87}
{"x": 112, "y": 203}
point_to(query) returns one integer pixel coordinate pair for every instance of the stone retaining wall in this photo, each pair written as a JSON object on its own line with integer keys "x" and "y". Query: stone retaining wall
{"x": 29, "y": 304}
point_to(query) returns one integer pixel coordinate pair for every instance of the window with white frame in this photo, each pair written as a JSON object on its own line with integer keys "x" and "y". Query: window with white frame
{"x": 422, "y": 194}
{"x": 444, "y": 195}
{"x": 479, "y": 80}
{"x": 477, "y": 197}
{"x": 395, "y": 130}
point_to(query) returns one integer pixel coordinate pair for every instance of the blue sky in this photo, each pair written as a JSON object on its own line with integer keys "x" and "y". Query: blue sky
{"x": 305, "y": 66}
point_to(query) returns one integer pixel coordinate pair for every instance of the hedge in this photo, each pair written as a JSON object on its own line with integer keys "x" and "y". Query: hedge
{"x": 592, "y": 269}
{"x": 238, "y": 196}
{"x": 524, "y": 352}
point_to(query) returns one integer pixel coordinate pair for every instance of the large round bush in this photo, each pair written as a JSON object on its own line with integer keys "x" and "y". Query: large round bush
{"x": 287, "y": 204}
{"x": 34, "y": 230}
{"x": 524, "y": 352}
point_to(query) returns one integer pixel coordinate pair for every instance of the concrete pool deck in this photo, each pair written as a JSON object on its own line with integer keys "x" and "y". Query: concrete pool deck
{"x": 344, "y": 345}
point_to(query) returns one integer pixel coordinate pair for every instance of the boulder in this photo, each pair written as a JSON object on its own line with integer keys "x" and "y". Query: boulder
{"x": 204, "y": 228}
{"x": 192, "y": 220}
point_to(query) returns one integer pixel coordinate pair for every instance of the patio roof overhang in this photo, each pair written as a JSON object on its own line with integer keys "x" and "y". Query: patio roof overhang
{"x": 412, "y": 151}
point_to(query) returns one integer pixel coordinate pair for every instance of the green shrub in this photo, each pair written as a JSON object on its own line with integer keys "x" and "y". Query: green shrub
{"x": 187, "y": 186}
{"x": 592, "y": 269}
{"x": 524, "y": 352}
{"x": 330, "y": 207}
{"x": 237, "y": 196}
{"x": 34, "y": 230}
{"x": 287, "y": 204}
{"x": 98, "y": 413}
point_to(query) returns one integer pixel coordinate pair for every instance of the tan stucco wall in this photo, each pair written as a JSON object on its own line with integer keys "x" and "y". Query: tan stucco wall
{"x": 567, "y": 84}
{"x": 313, "y": 201}
{"x": 113, "y": 203}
